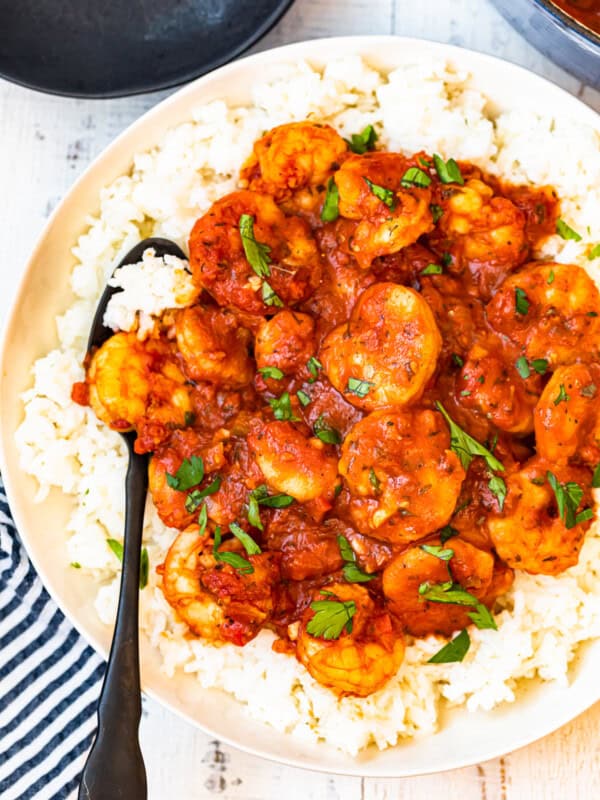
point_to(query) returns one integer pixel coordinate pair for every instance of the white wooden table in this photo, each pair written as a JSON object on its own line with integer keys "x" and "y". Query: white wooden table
{"x": 45, "y": 142}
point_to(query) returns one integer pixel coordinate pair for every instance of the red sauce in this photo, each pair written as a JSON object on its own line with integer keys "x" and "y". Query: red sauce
{"x": 587, "y": 12}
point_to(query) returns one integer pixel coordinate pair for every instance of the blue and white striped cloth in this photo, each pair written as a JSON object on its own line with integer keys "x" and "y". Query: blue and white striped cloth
{"x": 49, "y": 683}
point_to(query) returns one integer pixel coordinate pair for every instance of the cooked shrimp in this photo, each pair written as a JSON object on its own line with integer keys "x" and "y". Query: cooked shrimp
{"x": 567, "y": 416}
{"x": 294, "y": 462}
{"x": 182, "y": 444}
{"x": 482, "y": 232}
{"x": 551, "y": 311}
{"x": 299, "y": 155}
{"x": 216, "y": 601}
{"x": 129, "y": 380}
{"x": 530, "y": 534}
{"x": 359, "y": 661}
{"x": 468, "y": 566}
{"x": 388, "y": 350}
{"x": 403, "y": 477}
{"x": 289, "y": 261}
{"x": 382, "y": 227}
{"x": 286, "y": 342}
{"x": 214, "y": 346}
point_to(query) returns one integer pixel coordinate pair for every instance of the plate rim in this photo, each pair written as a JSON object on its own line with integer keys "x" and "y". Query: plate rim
{"x": 359, "y": 44}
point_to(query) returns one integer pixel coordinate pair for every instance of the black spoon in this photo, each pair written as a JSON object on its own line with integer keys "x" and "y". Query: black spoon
{"x": 115, "y": 768}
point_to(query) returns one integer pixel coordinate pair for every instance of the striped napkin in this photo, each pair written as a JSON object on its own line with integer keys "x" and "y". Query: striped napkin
{"x": 49, "y": 683}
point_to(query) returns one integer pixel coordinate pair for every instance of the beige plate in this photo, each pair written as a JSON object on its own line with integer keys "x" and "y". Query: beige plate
{"x": 465, "y": 738}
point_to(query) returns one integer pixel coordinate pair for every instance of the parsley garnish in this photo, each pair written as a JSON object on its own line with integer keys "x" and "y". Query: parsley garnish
{"x": 453, "y": 593}
{"x": 256, "y": 253}
{"x": 594, "y": 252}
{"x": 446, "y": 259}
{"x": 386, "y": 196}
{"x": 596, "y": 478}
{"x": 521, "y": 301}
{"x": 447, "y": 532}
{"x": 190, "y": 473}
{"x": 562, "y": 395}
{"x": 189, "y": 418}
{"x": 455, "y": 650}
{"x": 303, "y": 397}
{"x": 352, "y": 572}
{"x": 193, "y": 500}
{"x": 269, "y": 296}
{"x": 550, "y": 278}
{"x": 240, "y": 534}
{"x": 540, "y": 365}
{"x": 443, "y": 553}
{"x": 331, "y": 617}
{"x": 437, "y": 212}
{"x": 261, "y": 497}
{"x": 234, "y": 560}
{"x": 75, "y": 565}
{"x": 467, "y": 448}
{"x": 325, "y": 432}
{"x": 313, "y": 365}
{"x": 522, "y": 366}
{"x": 566, "y": 232}
{"x": 497, "y": 487}
{"x": 202, "y": 519}
{"x": 432, "y": 269}
{"x": 358, "y": 387}
{"x": 457, "y": 360}
{"x": 448, "y": 171}
{"x": 483, "y": 618}
{"x": 282, "y": 408}
{"x": 568, "y": 497}
{"x": 374, "y": 480}
{"x": 117, "y": 549}
{"x": 330, "y": 211}
{"x": 361, "y": 142}
{"x": 271, "y": 372}
{"x": 415, "y": 177}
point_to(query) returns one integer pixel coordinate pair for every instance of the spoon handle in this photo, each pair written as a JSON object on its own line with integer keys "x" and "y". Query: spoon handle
{"x": 115, "y": 768}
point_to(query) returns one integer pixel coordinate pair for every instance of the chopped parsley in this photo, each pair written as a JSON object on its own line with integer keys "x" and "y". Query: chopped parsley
{"x": 202, "y": 519}
{"x": 190, "y": 473}
{"x": 521, "y": 301}
{"x": 594, "y": 252}
{"x": 271, "y": 372}
{"x": 117, "y": 549}
{"x": 467, "y": 448}
{"x": 352, "y": 572}
{"x": 331, "y": 617}
{"x": 562, "y": 395}
{"x": 448, "y": 171}
{"x": 437, "y": 212}
{"x": 522, "y": 366}
{"x": 550, "y": 278}
{"x": 325, "y": 432}
{"x": 455, "y": 650}
{"x": 358, "y": 387}
{"x": 432, "y": 269}
{"x": 415, "y": 177}
{"x": 596, "y": 478}
{"x": 256, "y": 253}
{"x": 540, "y": 365}
{"x": 453, "y": 593}
{"x": 387, "y": 196}
{"x": 247, "y": 541}
{"x": 446, "y": 259}
{"x": 269, "y": 296}
{"x": 303, "y": 397}
{"x": 457, "y": 360}
{"x": 75, "y": 565}
{"x": 189, "y": 418}
{"x": 359, "y": 143}
{"x": 282, "y": 408}
{"x": 447, "y": 532}
{"x": 497, "y": 487}
{"x": 330, "y": 211}
{"x": 443, "y": 553}
{"x": 374, "y": 480}
{"x": 193, "y": 500}
{"x": 313, "y": 365}
{"x": 234, "y": 560}
{"x": 568, "y": 497}
{"x": 566, "y": 232}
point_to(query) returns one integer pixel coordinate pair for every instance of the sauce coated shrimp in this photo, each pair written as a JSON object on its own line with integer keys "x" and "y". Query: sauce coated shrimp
{"x": 286, "y": 342}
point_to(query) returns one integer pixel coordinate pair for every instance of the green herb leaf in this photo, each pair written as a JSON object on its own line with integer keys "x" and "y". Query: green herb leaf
{"x": 584, "y": 515}
{"x": 594, "y": 252}
{"x": 448, "y": 171}
{"x": 497, "y": 487}
{"x": 415, "y": 177}
{"x": 457, "y": 360}
{"x": 596, "y": 478}
{"x": 256, "y": 253}
{"x": 465, "y": 393}
{"x": 303, "y": 398}
{"x": 235, "y": 560}
{"x": 447, "y": 592}
{"x": 325, "y": 432}
{"x": 443, "y": 553}
{"x": 521, "y": 301}
{"x": 250, "y": 545}
{"x": 550, "y": 278}
{"x": 455, "y": 650}
{"x": 144, "y": 568}
{"x": 447, "y": 532}
{"x": 522, "y": 367}
{"x": 361, "y": 142}
{"x": 282, "y": 408}
{"x": 254, "y": 513}
{"x": 193, "y": 500}
{"x": 446, "y": 259}
{"x": 331, "y": 617}
{"x": 387, "y": 196}
{"x": 190, "y": 473}
{"x": 437, "y": 212}
{"x": 483, "y": 618}
{"x": 271, "y": 372}
{"x": 358, "y": 387}
{"x": 346, "y": 550}
{"x": 568, "y": 497}
{"x": 116, "y": 547}
{"x": 352, "y": 572}
{"x": 314, "y": 365}
{"x": 189, "y": 418}
{"x": 269, "y": 297}
{"x": 276, "y": 501}
{"x": 467, "y": 448}
{"x": 566, "y": 232}
{"x": 562, "y": 395}
{"x": 540, "y": 365}
{"x": 330, "y": 211}
{"x": 374, "y": 480}
{"x": 202, "y": 519}
{"x": 75, "y": 565}
{"x": 432, "y": 269}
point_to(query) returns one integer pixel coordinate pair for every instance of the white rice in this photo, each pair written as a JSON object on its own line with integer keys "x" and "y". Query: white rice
{"x": 63, "y": 445}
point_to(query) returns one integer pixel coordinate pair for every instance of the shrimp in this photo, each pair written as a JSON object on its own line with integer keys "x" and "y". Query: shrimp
{"x": 285, "y": 342}
{"x": 294, "y": 157}
{"x": 567, "y": 418}
{"x": 286, "y": 254}
{"x": 388, "y": 350}
{"x": 415, "y": 567}
{"x": 386, "y": 225}
{"x": 535, "y": 533}
{"x": 481, "y": 232}
{"x": 367, "y": 653}
{"x": 216, "y": 601}
{"x": 129, "y": 380}
{"x": 402, "y": 475}
{"x": 550, "y": 311}
{"x": 182, "y": 444}
{"x": 214, "y": 347}
{"x": 294, "y": 462}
